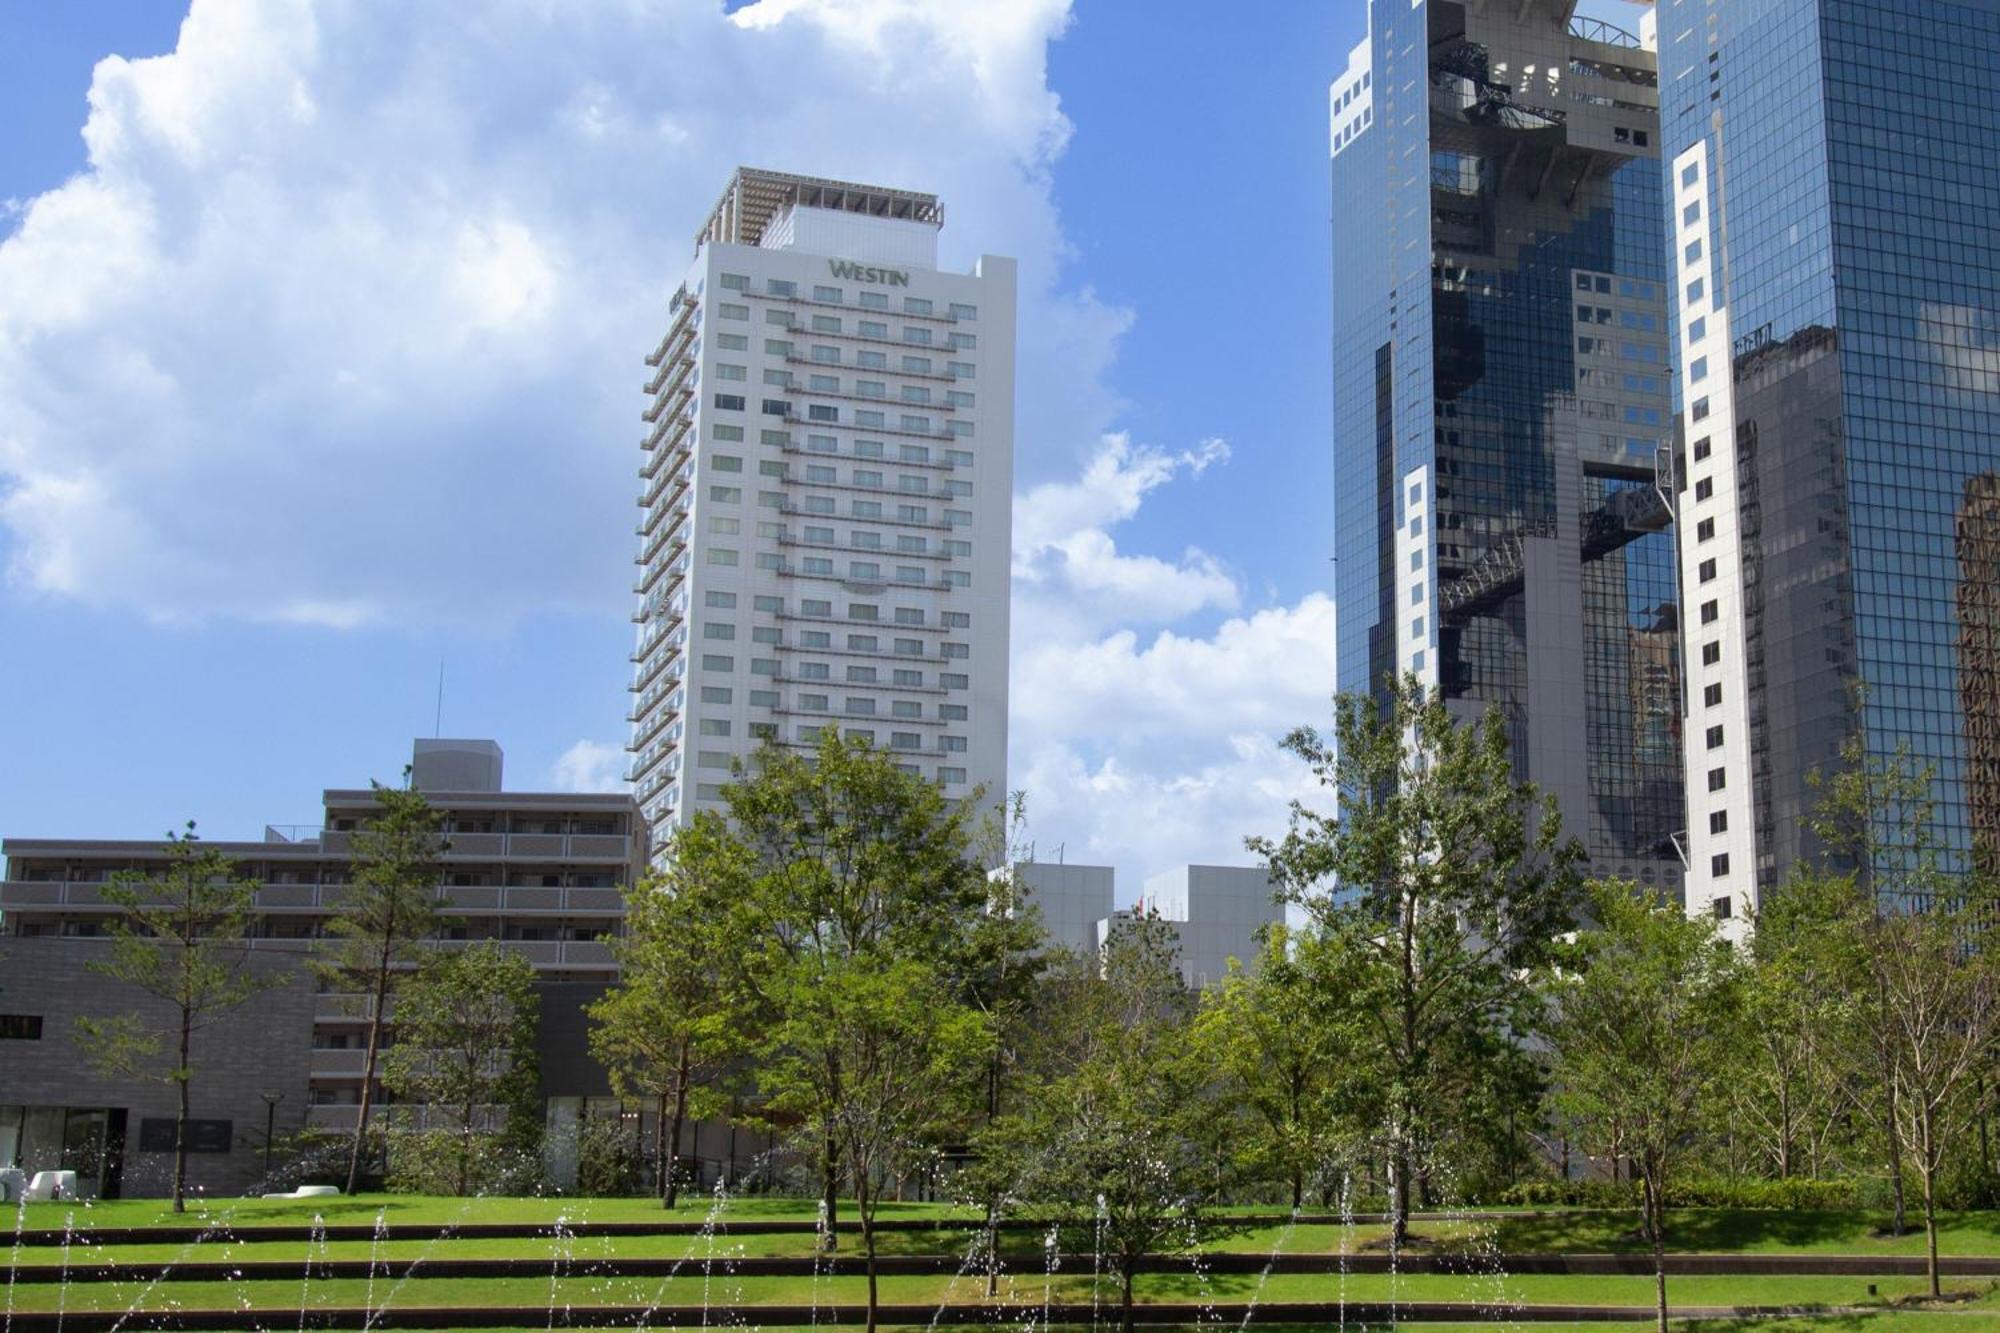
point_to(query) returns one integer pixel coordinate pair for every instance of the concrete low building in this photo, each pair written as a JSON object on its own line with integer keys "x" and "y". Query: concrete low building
{"x": 539, "y": 872}
{"x": 1215, "y": 911}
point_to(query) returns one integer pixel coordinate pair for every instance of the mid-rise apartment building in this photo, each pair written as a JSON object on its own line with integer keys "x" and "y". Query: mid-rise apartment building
{"x": 1502, "y": 399}
{"x": 541, "y": 873}
{"x": 1836, "y": 297}
{"x": 826, "y": 495}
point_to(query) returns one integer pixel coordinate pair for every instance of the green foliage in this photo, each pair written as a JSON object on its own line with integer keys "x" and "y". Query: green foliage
{"x": 862, "y": 905}
{"x": 1644, "y": 1039}
{"x": 671, "y": 1026}
{"x": 1123, "y": 1137}
{"x": 465, "y": 1048}
{"x": 178, "y": 937}
{"x": 1456, "y": 881}
{"x": 1292, "y": 1061}
{"x": 382, "y": 923}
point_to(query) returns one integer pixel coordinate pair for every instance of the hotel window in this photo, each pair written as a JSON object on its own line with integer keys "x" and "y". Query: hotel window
{"x": 727, "y": 495}
{"x": 831, "y": 295}
{"x": 728, "y": 311}
{"x": 721, "y": 601}
{"x": 813, "y": 606}
{"x": 871, "y": 418}
{"x": 1711, "y": 695}
{"x": 1698, "y": 369}
{"x": 822, "y": 383}
{"x": 732, "y": 342}
{"x": 952, "y": 712}
{"x": 782, "y": 318}
{"x": 1704, "y": 530}
{"x": 1718, "y": 821}
{"x": 951, "y": 777}
{"x": 717, "y": 662}
{"x": 906, "y": 708}
{"x": 1717, "y": 779}
{"x": 875, "y": 300}
{"x": 1718, "y": 866}
{"x": 1704, "y": 488}
{"x": 1707, "y": 570}
{"x": 825, "y": 354}
{"x": 822, "y": 444}
{"x": 736, "y": 282}
{"x": 874, "y": 329}
{"x": 1690, "y": 174}
{"x": 914, "y": 334}
{"x": 909, "y": 679}
{"x": 959, "y": 311}
{"x": 721, "y": 556}
{"x": 725, "y": 371}
{"x": 729, "y": 402}
{"x": 1697, "y": 329}
{"x": 1711, "y": 652}
{"x": 781, "y": 287}
{"x": 1714, "y": 738}
{"x": 965, "y": 342}
{"x": 821, "y": 473}
{"x": 909, "y": 615}
{"x": 957, "y": 619}
{"x": 916, "y": 305}
{"x": 777, "y": 347}
{"x": 1691, "y": 251}
{"x": 1701, "y": 449}
{"x": 826, "y": 323}
{"x": 871, "y": 360}
{"x": 905, "y": 740}
{"x": 1695, "y": 290}
{"x": 963, "y": 370}
{"x": 823, "y": 412}
{"x": 1721, "y": 908}
{"x": 1691, "y": 214}
{"x": 715, "y": 726}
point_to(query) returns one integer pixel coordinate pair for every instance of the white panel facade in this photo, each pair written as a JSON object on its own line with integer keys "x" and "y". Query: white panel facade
{"x": 827, "y": 498}
{"x": 1722, "y": 852}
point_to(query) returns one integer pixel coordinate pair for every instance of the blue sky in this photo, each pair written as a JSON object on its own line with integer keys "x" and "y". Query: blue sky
{"x": 320, "y": 366}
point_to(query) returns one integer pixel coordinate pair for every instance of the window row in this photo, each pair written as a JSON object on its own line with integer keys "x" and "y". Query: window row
{"x": 786, "y": 290}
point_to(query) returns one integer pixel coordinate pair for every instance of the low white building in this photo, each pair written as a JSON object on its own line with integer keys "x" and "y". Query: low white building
{"x": 1216, "y": 911}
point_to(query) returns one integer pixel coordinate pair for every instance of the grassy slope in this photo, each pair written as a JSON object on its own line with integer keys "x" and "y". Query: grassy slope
{"x": 691, "y": 1289}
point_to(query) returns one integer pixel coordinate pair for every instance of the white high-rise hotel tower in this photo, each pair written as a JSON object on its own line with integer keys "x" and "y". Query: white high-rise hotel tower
{"x": 827, "y": 495}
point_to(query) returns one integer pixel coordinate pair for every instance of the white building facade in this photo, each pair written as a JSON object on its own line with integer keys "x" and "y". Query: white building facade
{"x": 826, "y": 495}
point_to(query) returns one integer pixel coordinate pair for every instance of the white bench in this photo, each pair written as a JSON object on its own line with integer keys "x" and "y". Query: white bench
{"x": 307, "y": 1192}
{"x": 52, "y": 1185}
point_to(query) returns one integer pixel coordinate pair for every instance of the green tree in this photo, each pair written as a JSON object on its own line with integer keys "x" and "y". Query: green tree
{"x": 1119, "y": 1137}
{"x": 384, "y": 921}
{"x": 1802, "y": 1063}
{"x": 1644, "y": 1040}
{"x": 1455, "y": 881}
{"x": 465, "y": 1041}
{"x": 179, "y": 937}
{"x": 859, "y": 869}
{"x": 1289, "y": 1059}
{"x": 670, "y": 1027}
{"x": 1941, "y": 1006}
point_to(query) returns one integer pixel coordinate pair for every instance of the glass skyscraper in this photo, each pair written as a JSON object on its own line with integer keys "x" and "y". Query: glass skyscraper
{"x": 1832, "y": 184}
{"x": 1502, "y": 399}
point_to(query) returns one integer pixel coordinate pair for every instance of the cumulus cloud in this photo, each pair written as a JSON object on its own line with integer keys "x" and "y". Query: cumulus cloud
{"x": 363, "y": 290}
{"x": 589, "y": 766}
{"x": 342, "y": 325}
{"x": 1139, "y": 748}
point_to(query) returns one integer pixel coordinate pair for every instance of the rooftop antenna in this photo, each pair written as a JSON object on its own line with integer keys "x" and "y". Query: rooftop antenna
{"x": 437, "y": 724}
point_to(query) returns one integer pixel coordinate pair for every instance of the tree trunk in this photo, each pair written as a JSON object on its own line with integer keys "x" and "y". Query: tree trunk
{"x": 660, "y": 1182}
{"x": 1656, "y": 1215}
{"x": 1125, "y": 1294}
{"x": 1899, "y": 1225}
{"x": 466, "y": 1113}
{"x": 1929, "y": 1167}
{"x": 864, "y": 1208}
{"x": 368, "y": 1068}
{"x": 992, "y": 1248}
{"x": 674, "y": 1134}
{"x": 830, "y": 1190}
{"x": 1298, "y": 1188}
{"x": 1399, "y": 1196}
{"x": 181, "y": 1080}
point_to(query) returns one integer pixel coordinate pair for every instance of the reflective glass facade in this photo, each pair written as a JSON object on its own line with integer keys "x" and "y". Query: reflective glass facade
{"x": 1502, "y": 397}
{"x": 1845, "y": 149}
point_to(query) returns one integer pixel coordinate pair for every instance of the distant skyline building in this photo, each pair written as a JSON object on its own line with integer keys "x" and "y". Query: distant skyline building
{"x": 1502, "y": 400}
{"x": 826, "y": 496}
{"x": 1837, "y": 312}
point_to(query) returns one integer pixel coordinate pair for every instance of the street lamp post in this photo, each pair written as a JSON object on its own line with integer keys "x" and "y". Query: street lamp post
{"x": 271, "y": 1100}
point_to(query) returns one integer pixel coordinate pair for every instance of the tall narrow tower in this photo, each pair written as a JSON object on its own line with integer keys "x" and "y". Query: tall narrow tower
{"x": 826, "y": 496}
{"x": 1836, "y": 295}
{"x": 1501, "y": 399}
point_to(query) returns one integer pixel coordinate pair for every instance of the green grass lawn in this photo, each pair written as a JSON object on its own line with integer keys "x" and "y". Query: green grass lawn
{"x": 692, "y": 1289}
{"x": 1578, "y": 1232}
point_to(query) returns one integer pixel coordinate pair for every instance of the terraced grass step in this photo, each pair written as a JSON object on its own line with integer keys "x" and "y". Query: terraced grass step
{"x": 1023, "y": 1263}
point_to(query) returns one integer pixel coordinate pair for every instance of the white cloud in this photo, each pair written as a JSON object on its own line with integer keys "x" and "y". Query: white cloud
{"x": 364, "y": 289}
{"x": 1149, "y": 751}
{"x": 589, "y": 766}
